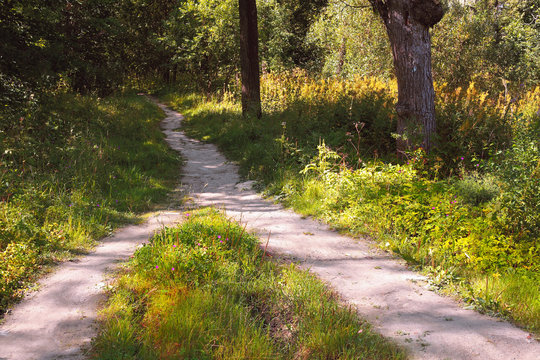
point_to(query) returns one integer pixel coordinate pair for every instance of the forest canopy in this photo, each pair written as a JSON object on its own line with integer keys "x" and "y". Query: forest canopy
{"x": 101, "y": 45}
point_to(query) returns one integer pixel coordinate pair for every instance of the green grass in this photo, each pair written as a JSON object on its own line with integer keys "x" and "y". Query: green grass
{"x": 71, "y": 171}
{"x": 460, "y": 229}
{"x": 205, "y": 290}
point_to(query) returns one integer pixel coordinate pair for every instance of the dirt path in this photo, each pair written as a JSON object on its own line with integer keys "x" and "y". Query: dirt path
{"x": 59, "y": 320}
{"x": 385, "y": 292}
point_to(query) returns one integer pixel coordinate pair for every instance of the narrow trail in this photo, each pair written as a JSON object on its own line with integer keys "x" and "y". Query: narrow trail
{"x": 379, "y": 285}
{"x": 58, "y": 321}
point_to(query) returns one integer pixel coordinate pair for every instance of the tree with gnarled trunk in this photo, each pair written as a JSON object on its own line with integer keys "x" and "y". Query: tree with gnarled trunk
{"x": 249, "y": 58}
{"x": 407, "y": 23}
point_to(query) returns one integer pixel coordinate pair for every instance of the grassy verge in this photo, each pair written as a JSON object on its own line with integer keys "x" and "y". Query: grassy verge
{"x": 470, "y": 222}
{"x": 204, "y": 290}
{"x": 70, "y": 172}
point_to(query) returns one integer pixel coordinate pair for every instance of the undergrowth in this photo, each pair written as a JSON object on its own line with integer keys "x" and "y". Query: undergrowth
{"x": 71, "y": 170}
{"x": 206, "y": 290}
{"x": 468, "y": 213}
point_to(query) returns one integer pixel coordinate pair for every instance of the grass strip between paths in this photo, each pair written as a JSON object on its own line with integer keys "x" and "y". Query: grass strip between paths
{"x": 204, "y": 290}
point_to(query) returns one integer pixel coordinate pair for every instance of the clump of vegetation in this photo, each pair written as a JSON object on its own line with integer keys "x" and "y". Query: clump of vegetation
{"x": 71, "y": 171}
{"x": 205, "y": 290}
{"x": 476, "y": 190}
{"x": 299, "y": 112}
{"x": 467, "y": 212}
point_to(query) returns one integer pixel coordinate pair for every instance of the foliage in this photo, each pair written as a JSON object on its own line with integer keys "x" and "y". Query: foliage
{"x": 353, "y": 42}
{"x": 299, "y": 112}
{"x": 519, "y": 169}
{"x": 471, "y": 126}
{"x": 203, "y": 38}
{"x": 70, "y": 172}
{"x": 289, "y": 22}
{"x": 456, "y": 226}
{"x": 61, "y": 41}
{"x": 357, "y": 118}
{"x": 100, "y": 45}
{"x": 145, "y": 55}
{"x": 468, "y": 211}
{"x": 204, "y": 290}
{"x": 493, "y": 43}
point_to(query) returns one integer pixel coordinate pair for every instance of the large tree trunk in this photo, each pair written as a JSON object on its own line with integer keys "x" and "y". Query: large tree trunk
{"x": 249, "y": 58}
{"x": 407, "y": 24}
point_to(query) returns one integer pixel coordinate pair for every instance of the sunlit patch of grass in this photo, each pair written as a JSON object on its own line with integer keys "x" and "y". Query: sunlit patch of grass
{"x": 455, "y": 240}
{"x": 203, "y": 290}
{"x": 498, "y": 293}
{"x": 316, "y": 151}
{"x": 82, "y": 167}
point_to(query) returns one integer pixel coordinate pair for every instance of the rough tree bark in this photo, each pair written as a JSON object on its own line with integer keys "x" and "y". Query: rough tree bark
{"x": 407, "y": 24}
{"x": 249, "y": 58}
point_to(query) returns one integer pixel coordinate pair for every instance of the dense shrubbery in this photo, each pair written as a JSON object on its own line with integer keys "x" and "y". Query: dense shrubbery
{"x": 71, "y": 171}
{"x": 469, "y": 210}
{"x": 203, "y": 290}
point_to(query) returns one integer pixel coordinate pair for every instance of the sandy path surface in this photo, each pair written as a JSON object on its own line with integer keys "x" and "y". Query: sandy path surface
{"x": 384, "y": 291}
{"x": 58, "y": 321}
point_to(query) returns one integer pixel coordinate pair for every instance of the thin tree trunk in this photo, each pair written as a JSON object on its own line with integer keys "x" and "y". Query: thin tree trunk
{"x": 174, "y": 73}
{"x": 407, "y": 25}
{"x": 249, "y": 58}
{"x": 342, "y": 54}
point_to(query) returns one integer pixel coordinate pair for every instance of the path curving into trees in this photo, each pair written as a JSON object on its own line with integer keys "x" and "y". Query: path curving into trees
{"x": 58, "y": 321}
{"x": 385, "y": 292}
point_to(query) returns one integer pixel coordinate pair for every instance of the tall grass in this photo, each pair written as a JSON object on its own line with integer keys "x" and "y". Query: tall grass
{"x": 467, "y": 213}
{"x": 71, "y": 171}
{"x": 204, "y": 290}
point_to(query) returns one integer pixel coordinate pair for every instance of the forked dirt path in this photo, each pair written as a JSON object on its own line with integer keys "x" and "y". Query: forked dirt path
{"x": 58, "y": 321}
{"x": 380, "y": 286}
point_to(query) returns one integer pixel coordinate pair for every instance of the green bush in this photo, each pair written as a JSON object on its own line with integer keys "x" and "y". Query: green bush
{"x": 476, "y": 190}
